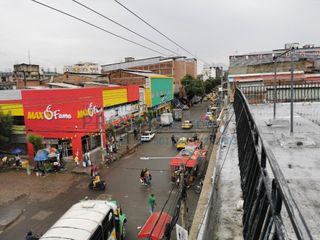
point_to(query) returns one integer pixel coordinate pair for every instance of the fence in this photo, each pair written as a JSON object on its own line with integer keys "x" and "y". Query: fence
{"x": 264, "y": 187}
{"x": 264, "y": 94}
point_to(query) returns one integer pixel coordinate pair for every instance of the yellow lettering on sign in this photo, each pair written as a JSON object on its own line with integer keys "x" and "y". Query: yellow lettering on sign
{"x": 35, "y": 115}
{"x": 82, "y": 113}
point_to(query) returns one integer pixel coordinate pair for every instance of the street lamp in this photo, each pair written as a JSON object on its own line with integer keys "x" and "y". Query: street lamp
{"x": 275, "y": 58}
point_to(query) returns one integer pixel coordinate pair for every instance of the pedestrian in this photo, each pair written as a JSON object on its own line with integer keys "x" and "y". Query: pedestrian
{"x": 152, "y": 203}
{"x": 17, "y": 160}
{"x": 94, "y": 170}
{"x": 76, "y": 160}
{"x": 135, "y": 133}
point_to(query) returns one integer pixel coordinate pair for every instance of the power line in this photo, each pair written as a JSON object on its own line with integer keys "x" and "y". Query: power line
{"x": 158, "y": 31}
{"x": 100, "y": 28}
{"x": 128, "y": 29}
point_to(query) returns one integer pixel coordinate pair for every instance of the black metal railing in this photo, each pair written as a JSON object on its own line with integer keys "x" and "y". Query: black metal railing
{"x": 264, "y": 191}
{"x": 264, "y": 94}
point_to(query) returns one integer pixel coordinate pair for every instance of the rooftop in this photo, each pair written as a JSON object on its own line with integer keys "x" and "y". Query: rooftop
{"x": 297, "y": 154}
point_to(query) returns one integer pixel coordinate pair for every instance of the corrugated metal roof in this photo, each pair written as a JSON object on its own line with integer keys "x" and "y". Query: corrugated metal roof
{"x": 63, "y": 85}
{"x": 145, "y": 74}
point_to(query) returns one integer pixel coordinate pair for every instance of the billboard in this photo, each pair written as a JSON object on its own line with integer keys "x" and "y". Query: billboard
{"x": 161, "y": 90}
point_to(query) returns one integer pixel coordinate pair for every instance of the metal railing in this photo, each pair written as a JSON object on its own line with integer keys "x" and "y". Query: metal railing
{"x": 264, "y": 187}
{"x": 264, "y": 94}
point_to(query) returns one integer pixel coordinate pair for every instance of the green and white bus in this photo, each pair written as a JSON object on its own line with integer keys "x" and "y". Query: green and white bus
{"x": 89, "y": 220}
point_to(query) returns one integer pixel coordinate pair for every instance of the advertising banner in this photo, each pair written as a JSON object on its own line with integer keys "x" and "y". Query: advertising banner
{"x": 161, "y": 90}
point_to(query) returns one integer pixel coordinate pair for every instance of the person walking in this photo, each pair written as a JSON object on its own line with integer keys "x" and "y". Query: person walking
{"x": 152, "y": 203}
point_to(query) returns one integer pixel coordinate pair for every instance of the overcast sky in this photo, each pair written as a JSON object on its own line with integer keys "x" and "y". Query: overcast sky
{"x": 211, "y": 29}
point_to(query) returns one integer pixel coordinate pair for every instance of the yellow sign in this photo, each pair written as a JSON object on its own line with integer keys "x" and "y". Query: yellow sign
{"x": 114, "y": 97}
{"x": 15, "y": 109}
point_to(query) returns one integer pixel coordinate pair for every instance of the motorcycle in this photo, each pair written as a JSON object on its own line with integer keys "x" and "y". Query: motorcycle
{"x": 144, "y": 181}
{"x": 101, "y": 185}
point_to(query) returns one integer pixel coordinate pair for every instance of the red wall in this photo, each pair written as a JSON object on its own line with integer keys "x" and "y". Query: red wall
{"x": 69, "y": 103}
{"x": 133, "y": 93}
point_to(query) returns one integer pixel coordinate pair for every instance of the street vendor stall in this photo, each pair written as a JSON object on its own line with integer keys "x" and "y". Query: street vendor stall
{"x": 155, "y": 226}
{"x": 47, "y": 160}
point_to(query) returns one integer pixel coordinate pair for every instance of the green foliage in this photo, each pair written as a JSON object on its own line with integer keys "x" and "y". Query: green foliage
{"x": 210, "y": 84}
{"x": 193, "y": 87}
{"x": 5, "y": 128}
{"x": 36, "y": 141}
{"x": 138, "y": 120}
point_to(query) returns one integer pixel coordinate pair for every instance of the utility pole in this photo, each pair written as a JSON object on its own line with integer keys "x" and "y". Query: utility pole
{"x": 274, "y": 87}
{"x": 292, "y": 93}
{"x": 183, "y": 207}
{"x": 101, "y": 136}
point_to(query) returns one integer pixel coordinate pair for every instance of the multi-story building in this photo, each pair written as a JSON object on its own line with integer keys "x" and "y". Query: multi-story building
{"x": 26, "y": 75}
{"x": 175, "y": 67}
{"x": 305, "y": 59}
{"x": 84, "y": 68}
{"x": 6, "y": 81}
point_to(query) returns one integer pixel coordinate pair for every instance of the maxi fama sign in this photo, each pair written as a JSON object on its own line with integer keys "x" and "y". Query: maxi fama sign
{"x": 49, "y": 113}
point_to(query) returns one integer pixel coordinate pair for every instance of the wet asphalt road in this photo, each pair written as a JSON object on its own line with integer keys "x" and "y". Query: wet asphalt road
{"x": 122, "y": 179}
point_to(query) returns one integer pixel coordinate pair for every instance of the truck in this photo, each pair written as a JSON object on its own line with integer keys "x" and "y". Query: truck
{"x": 166, "y": 119}
{"x": 177, "y": 114}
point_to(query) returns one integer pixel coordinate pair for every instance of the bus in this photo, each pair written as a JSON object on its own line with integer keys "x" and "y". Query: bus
{"x": 89, "y": 220}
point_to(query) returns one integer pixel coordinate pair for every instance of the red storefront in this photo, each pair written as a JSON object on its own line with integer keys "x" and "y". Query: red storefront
{"x": 69, "y": 118}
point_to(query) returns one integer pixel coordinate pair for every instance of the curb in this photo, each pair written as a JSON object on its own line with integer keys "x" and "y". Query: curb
{"x": 5, "y": 223}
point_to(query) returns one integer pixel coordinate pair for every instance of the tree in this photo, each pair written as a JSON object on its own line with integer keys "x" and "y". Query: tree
{"x": 192, "y": 86}
{"x": 36, "y": 141}
{"x": 210, "y": 84}
{"x": 6, "y": 123}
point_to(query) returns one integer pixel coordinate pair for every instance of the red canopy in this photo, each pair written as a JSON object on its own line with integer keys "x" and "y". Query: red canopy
{"x": 158, "y": 230}
{"x": 186, "y": 160}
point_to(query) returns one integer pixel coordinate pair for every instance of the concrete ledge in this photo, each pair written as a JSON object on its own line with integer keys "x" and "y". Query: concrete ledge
{"x": 204, "y": 199}
{"x": 9, "y": 217}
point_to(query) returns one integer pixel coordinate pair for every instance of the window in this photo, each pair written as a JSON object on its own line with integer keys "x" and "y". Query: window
{"x": 108, "y": 224}
{"x": 97, "y": 235}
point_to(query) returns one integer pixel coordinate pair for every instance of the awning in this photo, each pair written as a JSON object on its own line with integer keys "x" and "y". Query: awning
{"x": 190, "y": 163}
{"x": 156, "y": 224}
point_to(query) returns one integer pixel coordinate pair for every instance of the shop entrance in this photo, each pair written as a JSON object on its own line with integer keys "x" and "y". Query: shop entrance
{"x": 66, "y": 148}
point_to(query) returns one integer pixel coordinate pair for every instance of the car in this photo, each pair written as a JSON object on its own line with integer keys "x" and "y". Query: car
{"x": 181, "y": 144}
{"x": 147, "y": 136}
{"x": 187, "y": 124}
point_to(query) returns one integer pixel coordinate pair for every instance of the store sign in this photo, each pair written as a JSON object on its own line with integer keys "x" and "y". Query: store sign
{"x": 89, "y": 112}
{"x": 48, "y": 114}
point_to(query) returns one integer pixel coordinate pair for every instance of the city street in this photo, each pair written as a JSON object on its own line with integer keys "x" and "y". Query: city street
{"x": 122, "y": 178}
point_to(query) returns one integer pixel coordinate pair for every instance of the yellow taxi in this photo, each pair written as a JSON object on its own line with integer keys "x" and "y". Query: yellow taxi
{"x": 182, "y": 143}
{"x": 187, "y": 124}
